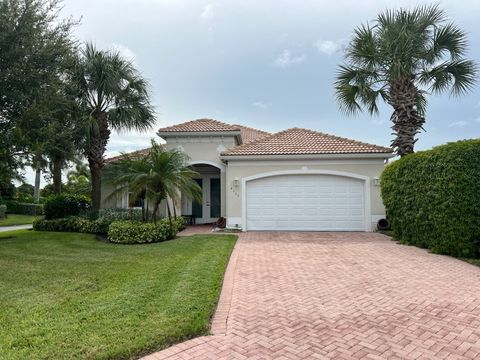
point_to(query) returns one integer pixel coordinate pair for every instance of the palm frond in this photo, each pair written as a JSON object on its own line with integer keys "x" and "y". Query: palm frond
{"x": 447, "y": 39}
{"x": 456, "y": 76}
{"x": 356, "y": 87}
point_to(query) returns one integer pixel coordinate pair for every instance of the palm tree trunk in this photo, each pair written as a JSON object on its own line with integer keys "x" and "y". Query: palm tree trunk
{"x": 95, "y": 151}
{"x": 154, "y": 213}
{"x": 36, "y": 190}
{"x": 57, "y": 175}
{"x": 407, "y": 121}
{"x": 169, "y": 213}
{"x": 96, "y": 175}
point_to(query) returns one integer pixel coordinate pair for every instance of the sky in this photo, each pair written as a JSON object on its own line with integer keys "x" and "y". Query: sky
{"x": 268, "y": 64}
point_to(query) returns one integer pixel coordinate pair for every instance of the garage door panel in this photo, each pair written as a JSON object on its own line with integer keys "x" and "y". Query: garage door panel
{"x": 305, "y": 202}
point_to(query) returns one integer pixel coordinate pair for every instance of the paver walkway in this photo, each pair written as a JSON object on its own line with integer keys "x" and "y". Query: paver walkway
{"x": 15, "y": 227}
{"x": 340, "y": 296}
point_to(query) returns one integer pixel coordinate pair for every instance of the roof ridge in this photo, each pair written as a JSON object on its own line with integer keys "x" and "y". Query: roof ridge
{"x": 218, "y": 122}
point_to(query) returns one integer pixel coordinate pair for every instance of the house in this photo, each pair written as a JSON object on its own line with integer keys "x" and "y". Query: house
{"x": 296, "y": 179}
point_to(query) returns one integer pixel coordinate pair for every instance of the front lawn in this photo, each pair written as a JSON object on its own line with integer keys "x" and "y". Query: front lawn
{"x": 16, "y": 219}
{"x": 67, "y": 295}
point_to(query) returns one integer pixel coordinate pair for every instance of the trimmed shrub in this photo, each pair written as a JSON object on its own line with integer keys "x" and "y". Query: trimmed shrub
{"x": 134, "y": 232}
{"x": 70, "y": 224}
{"x": 15, "y": 207}
{"x": 432, "y": 198}
{"x": 120, "y": 214}
{"x": 3, "y": 211}
{"x": 65, "y": 205}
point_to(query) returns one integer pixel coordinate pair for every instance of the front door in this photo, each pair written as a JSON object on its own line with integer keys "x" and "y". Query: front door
{"x": 208, "y": 210}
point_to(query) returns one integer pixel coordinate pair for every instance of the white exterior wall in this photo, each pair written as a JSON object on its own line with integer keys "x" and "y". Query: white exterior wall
{"x": 205, "y": 150}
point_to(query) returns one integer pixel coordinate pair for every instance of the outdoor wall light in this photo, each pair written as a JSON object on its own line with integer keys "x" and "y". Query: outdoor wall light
{"x": 376, "y": 181}
{"x": 236, "y": 182}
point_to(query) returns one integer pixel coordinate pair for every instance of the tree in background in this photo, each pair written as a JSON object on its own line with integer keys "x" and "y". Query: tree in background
{"x": 401, "y": 58}
{"x": 34, "y": 42}
{"x": 154, "y": 177}
{"x": 113, "y": 96}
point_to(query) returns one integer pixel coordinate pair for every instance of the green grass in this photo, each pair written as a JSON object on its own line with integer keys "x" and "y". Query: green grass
{"x": 69, "y": 296}
{"x": 16, "y": 219}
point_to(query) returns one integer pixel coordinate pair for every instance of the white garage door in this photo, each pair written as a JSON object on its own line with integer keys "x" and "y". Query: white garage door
{"x": 305, "y": 202}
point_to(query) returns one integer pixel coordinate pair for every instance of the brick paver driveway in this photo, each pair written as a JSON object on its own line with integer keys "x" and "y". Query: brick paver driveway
{"x": 340, "y": 296}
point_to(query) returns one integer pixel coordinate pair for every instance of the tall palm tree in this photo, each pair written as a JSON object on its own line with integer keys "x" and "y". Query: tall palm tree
{"x": 114, "y": 96}
{"x": 403, "y": 56}
{"x": 156, "y": 176}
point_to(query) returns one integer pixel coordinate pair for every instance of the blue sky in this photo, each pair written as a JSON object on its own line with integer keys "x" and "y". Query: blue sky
{"x": 269, "y": 64}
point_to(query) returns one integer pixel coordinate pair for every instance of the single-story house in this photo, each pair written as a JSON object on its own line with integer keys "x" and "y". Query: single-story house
{"x": 296, "y": 179}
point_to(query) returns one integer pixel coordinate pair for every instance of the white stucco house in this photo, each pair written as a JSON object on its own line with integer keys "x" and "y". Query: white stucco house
{"x": 296, "y": 179}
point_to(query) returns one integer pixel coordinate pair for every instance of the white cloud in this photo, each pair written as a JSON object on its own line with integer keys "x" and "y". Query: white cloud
{"x": 261, "y": 105}
{"x": 458, "y": 124}
{"x": 286, "y": 59}
{"x": 329, "y": 47}
{"x": 125, "y": 51}
{"x": 208, "y": 13}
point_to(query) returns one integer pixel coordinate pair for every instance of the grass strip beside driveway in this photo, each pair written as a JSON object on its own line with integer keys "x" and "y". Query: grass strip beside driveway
{"x": 66, "y": 295}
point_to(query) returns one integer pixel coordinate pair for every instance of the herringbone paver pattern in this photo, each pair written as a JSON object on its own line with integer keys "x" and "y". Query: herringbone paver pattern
{"x": 340, "y": 296}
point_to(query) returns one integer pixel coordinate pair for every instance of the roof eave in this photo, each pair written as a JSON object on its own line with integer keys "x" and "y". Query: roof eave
{"x": 309, "y": 156}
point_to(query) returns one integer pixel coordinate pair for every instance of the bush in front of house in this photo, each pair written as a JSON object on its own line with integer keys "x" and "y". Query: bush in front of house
{"x": 134, "y": 232}
{"x": 122, "y": 232}
{"x": 120, "y": 214}
{"x": 70, "y": 224}
{"x": 432, "y": 198}
{"x": 65, "y": 205}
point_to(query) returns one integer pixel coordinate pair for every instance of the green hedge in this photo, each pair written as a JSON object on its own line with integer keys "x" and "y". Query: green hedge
{"x": 120, "y": 214}
{"x": 134, "y": 232}
{"x": 125, "y": 231}
{"x": 15, "y": 207}
{"x": 72, "y": 224}
{"x": 65, "y": 205}
{"x": 432, "y": 198}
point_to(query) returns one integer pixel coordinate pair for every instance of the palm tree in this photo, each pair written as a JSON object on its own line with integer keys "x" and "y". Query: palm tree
{"x": 401, "y": 58}
{"x": 113, "y": 96}
{"x": 80, "y": 174}
{"x": 156, "y": 176}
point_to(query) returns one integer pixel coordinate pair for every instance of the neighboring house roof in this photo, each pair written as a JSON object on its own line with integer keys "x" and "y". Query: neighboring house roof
{"x": 247, "y": 134}
{"x": 296, "y": 141}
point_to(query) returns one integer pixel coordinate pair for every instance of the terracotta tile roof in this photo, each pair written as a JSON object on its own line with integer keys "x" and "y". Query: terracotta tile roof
{"x": 200, "y": 125}
{"x": 297, "y": 141}
{"x": 250, "y": 134}
{"x": 209, "y": 125}
{"x": 141, "y": 152}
